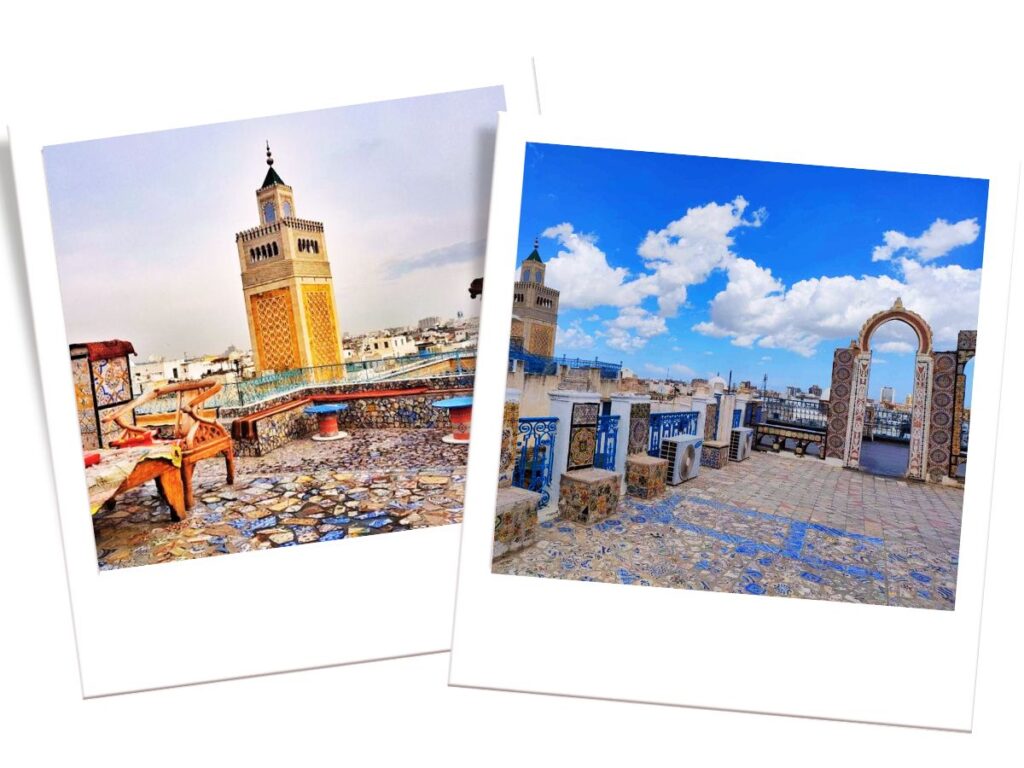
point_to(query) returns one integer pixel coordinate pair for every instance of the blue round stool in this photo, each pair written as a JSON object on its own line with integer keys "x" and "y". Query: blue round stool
{"x": 327, "y": 420}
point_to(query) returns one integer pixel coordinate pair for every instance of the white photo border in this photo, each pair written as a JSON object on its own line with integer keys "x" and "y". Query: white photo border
{"x": 814, "y": 658}
{"x": 261, "y": 612}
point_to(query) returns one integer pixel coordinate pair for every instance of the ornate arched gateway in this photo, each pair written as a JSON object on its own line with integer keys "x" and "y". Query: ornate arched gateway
{"x": 937, "y": 401}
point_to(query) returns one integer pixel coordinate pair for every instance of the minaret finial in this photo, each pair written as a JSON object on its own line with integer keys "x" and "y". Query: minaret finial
{"x": 536, "y": 243}
{"x": 270, "y": 159}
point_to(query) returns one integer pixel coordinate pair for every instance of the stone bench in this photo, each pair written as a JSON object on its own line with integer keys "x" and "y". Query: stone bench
{"x": 714, "y": 454}
{"x": 645, "y": 476}
{"x": 588, "y": 495}
{"x": 515, "y": 522}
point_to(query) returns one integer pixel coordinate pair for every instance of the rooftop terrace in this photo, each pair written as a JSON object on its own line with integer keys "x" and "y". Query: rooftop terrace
{"x": 771, "y": 525}
{"x": 376, "y": 481}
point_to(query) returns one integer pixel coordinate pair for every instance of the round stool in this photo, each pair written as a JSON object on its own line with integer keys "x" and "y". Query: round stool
{"x": 327, "y": 420}
{"x": 460, "y": 412}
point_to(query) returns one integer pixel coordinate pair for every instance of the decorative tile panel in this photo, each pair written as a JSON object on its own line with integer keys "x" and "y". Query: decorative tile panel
{"x": 318, "y": 302}
{"x": 639, "y": 428}
{"x": 839, "y": 403}
{"x": 583, "y": 435}
{"x": 112, "y": 382}
{"x": 273, "y": 321}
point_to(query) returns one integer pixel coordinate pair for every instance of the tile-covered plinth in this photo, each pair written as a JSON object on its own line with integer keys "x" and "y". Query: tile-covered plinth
{"x": 714, "y": 454}
{"x": 645, "y": 476}
{"x": 588, "y": 495}
{"x": 515, "y": 521}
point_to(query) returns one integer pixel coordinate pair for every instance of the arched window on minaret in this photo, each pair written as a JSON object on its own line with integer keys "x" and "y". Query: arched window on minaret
{"x": 533, "y": 266}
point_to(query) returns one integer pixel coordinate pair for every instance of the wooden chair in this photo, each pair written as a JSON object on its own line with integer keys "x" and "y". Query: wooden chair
{"x": 201, "y": 437}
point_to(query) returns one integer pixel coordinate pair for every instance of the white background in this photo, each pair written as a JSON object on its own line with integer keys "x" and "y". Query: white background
{"x": 939, "y": 74}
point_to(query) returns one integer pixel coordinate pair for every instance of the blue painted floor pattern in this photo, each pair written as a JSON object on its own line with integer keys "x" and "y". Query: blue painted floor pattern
{"x": 684, "y": 540}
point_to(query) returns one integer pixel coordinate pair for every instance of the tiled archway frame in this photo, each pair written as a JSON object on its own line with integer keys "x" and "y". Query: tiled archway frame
{"x": 849, "y": 393}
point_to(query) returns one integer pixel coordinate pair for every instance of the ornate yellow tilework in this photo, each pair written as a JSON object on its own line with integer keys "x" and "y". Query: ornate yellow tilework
{"x": 542, "y": 340}
{"x": 274, "y": 323}
{"x": 318, "y": 302}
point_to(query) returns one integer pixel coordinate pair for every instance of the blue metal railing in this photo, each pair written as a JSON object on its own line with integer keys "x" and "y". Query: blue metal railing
{"x": 535, "y": 446}
{"x": 669, "y": 425}
{"x": 607, "y": 440}
{"x": 548, "y": 366}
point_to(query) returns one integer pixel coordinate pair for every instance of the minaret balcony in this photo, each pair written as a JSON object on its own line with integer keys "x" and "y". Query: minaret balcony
{"x": 290, "y": 222}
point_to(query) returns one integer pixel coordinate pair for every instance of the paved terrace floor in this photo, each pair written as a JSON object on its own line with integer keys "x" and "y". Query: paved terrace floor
{"x": 771, "y": 525}
{"x": 376, "y": 481}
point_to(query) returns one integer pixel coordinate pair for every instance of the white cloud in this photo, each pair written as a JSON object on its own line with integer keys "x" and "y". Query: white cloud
{"x": 939, "y": 239}
{"x": 593, "y": 318}
{"x": 766, "y": 358}
{"x": 688, "y": 249}
{"x": 581, "y": 272}
{"x": 632, "y": 328}
{"x": 756, "y": 308}
{"x": 573, "y": 337}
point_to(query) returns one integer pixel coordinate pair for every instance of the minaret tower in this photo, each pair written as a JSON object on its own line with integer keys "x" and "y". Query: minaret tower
{"x": 286, "y": 282}
{"x": 534, "y": 307}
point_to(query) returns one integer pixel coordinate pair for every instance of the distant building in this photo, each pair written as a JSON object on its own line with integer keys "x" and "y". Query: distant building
{"x": 815, "y": 390}
{"x": 384, "y": 345}
{"x": 428, "y": 322}
{"x": 888, "y": 395}
{"x": 792, "y": 392}
{"x": 534, "y": 308}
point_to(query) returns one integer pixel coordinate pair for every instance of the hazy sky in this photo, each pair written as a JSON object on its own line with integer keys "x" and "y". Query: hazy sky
{"x": 145, "y": 225}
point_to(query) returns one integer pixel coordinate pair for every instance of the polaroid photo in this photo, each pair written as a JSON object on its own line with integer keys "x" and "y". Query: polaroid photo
{"x": 257, "y": 343}
{"x": 726, "y": 390}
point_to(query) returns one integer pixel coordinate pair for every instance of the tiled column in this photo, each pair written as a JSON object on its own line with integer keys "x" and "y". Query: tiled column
{"x": 562, "y": 402}
{"x": 509, "y": 430}
{"x": 622, "y": 405}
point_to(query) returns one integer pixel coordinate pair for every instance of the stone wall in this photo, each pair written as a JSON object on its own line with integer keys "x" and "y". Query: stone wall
{"x": 274, "y": 431}
{"x": 404, "y": 411}
{"x": 395, "y": 412}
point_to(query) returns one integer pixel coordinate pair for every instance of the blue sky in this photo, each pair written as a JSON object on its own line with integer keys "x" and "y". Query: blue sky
{"x": 683, "y": 266}
{"x": 144, "y": 225}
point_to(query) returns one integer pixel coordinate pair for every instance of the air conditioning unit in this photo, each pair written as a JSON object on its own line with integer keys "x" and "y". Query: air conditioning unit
{"x": 683, "y": 455}
{"x": 741, "y": 443}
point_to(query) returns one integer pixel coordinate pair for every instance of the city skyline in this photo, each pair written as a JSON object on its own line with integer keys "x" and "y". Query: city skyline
{"x": 400, "y": 186}
{"x": 684, "y": 266}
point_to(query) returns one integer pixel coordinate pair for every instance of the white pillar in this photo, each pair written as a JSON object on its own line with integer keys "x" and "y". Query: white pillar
{"x": 741, "y": 404}
{"x": 700, "y": 405}
{"x": 562, "y": 401}
{"x": 725, "y": 408}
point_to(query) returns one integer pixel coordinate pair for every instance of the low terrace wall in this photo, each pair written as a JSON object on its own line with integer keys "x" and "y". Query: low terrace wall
{"x": 407, "y": 404}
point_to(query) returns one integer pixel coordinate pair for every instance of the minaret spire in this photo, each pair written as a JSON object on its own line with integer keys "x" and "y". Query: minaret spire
{"x": 270, "y": 158}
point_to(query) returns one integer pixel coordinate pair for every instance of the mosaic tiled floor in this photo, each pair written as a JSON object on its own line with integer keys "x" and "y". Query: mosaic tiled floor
{"x": 771, "y": 525}
{"x": 376, "y": 481}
